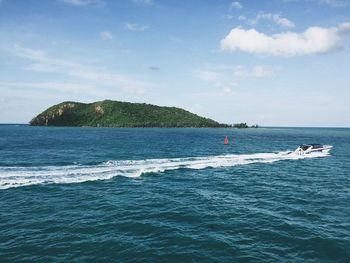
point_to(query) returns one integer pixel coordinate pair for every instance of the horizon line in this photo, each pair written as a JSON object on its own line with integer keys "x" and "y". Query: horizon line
{"x": 259, "y": 126}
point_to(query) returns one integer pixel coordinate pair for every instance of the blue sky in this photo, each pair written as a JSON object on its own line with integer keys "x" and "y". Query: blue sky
{"x": 277, "y": 63}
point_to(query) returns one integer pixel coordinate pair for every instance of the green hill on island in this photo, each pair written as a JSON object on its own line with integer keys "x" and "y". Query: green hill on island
{"x": 109, "y": 113}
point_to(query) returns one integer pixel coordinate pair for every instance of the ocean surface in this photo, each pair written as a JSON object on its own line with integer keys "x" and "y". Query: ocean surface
{"x": 173, "y": 195}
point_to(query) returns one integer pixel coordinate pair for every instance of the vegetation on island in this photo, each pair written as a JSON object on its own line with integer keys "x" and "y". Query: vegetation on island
{"x": 244, "y": 126}
{"x": 240, "y": 125}
{"x": 109, "y": 113}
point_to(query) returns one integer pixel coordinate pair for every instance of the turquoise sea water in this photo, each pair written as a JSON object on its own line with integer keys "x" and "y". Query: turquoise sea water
{"x": 173, "y": 195}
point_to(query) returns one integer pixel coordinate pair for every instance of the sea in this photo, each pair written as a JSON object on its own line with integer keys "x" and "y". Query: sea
{"x": 173, "y": 195}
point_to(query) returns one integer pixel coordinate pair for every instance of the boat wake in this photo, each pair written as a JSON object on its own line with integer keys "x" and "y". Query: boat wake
{"x": 23, "y": 176}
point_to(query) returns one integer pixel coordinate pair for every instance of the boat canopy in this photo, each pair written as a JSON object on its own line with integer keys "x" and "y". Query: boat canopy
{"x": 313, "y": 145}
{"x": 316, "y": 146}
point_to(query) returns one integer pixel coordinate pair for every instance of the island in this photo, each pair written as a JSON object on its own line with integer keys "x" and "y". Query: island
{"x": 110, "y": 113}
{"x": 244, "y": 126}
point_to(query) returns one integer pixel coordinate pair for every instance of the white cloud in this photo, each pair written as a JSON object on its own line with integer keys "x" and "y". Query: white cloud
{"x": 242, "y": 18}
{"x": 261, "y": 71}
{"x": 344, "y": 28}
{"x": 207, "y": 75}
{"x": 224, "y": 73}
{"x": 83, "y": 2}
{"x": 257, "y": 71}
{"x": 176, "y": 40}
{"x": 330, "y": 3}
{"x": 106, "y": 35}
{"x": 75, "y": 2}
{"x": 236, "y": 5}
{"x": 276, "y": 18}
{"x": 224, "y": 77}
{"x": 217, "y": 73}
{"x": 41, "y": 67}
{"x": 217, "y": 76}
{"x": 315, "y": 40}
{"x": 227, "y": 90}
{"x": 55, "y": 86}
{"x": 333, "y": 3}
{"x": 40, "y": 62}
{"x": 136, "y": 27}
{"x": 144, "y": 2}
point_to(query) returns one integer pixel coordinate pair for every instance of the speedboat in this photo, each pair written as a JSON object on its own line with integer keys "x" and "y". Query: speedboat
{"x": 312, "y": 148}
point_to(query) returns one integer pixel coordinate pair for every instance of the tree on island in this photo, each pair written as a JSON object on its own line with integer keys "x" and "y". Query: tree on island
{"x": 240, "y": 125}
{"x": 244, "y": 125}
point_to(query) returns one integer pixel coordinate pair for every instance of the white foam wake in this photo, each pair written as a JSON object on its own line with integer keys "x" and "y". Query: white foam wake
{"x": 22, "y": 176}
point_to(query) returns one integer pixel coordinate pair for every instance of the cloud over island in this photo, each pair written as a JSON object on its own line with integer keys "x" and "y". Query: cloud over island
{"x": 314, "y": 40}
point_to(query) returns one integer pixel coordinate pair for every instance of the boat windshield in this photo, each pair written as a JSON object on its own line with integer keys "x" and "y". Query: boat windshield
{"x": 304, "y": 147}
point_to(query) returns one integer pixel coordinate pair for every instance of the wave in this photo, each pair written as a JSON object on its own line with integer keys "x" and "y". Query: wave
{"x": 23, "y": 176}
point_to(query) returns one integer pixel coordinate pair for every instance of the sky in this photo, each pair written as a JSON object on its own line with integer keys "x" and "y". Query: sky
{"x": 272, "y": 63}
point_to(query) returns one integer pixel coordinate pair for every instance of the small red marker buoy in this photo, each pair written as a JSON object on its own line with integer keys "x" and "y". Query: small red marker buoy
{"x": 226, "y": 140}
